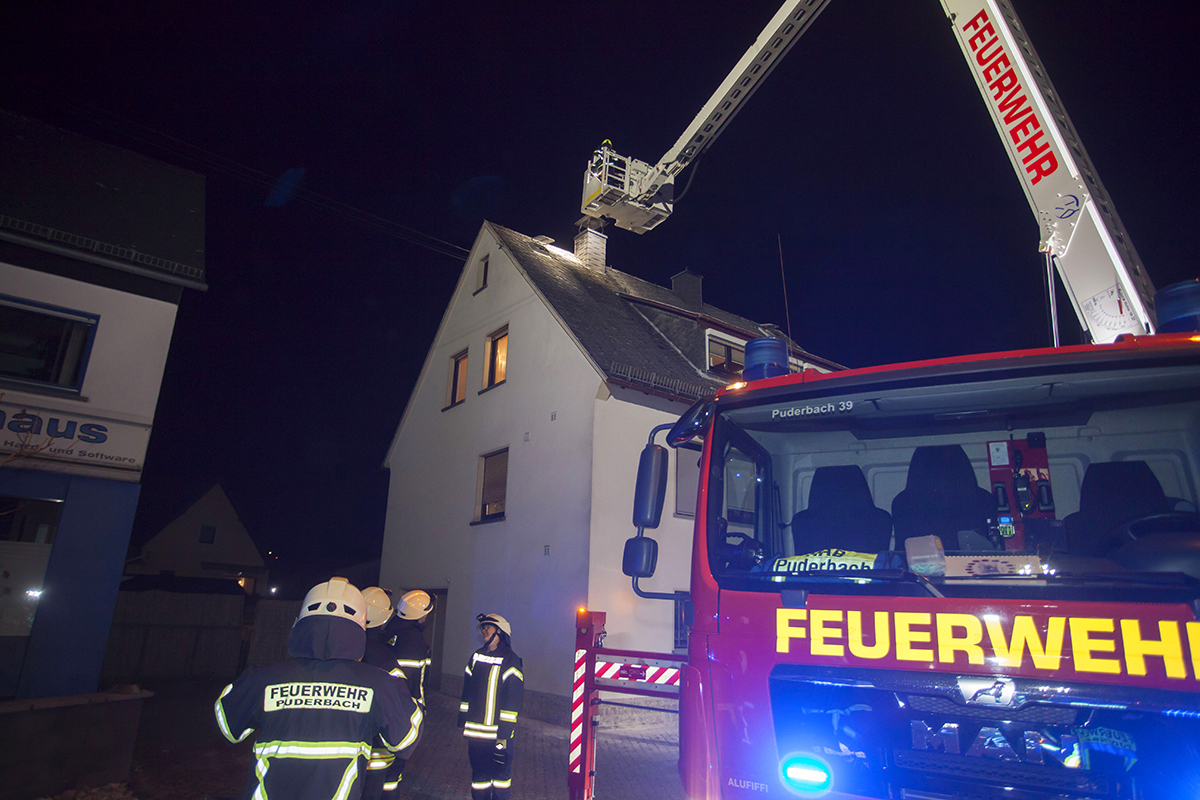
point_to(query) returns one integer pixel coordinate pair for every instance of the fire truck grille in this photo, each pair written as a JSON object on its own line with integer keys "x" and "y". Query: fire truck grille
{"x": 1005, "y": 773}
{"x": 1032, "y": 714}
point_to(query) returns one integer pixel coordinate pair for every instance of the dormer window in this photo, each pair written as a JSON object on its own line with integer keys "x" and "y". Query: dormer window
{"x": 726, "y": 357}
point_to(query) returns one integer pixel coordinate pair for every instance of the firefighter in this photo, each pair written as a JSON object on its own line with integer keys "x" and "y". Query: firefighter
{"x": 318, "y": 713}
{"x": 492, "y": 693}
{"x": 384, "y": 770}
{"x": 408, "y": 640}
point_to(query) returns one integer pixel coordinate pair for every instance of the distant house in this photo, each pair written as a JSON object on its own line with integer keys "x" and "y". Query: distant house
{"x": 513, "y": 466}
{"x": 208, "y": 540}
{"x": 97, "y": 245}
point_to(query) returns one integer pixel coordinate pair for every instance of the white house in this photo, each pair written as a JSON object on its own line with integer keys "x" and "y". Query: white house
{"x": 513, "y": 467}
{"x": 96, "y": 247}
{"x": 208, "y": 540}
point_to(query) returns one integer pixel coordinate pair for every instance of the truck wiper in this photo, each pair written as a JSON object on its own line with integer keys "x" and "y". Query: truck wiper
{"x": 1145, "y": 578}
{"x": 835, "y": 576}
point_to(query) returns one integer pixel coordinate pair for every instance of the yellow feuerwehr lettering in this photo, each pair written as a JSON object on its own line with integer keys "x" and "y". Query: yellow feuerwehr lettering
{"x": 906, "y": 636}
{"x": 948, "y": 643}
{"x": 818, "y": 632}
{"x": 1193, "y": 632}
{"x": 883, "y": 635}
{"x": 1025, "y": 634}
{"x": 1083, "y": 645}
{"x": 1168, "y": 646}
{"x": 784, "y": 632}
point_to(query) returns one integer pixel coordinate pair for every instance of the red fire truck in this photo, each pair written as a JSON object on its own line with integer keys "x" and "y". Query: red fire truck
{"x": 975, "y": 577}
{"x": 1048, "y": 647}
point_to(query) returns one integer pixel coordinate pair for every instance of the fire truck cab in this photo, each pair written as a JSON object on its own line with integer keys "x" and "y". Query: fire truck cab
{"x": 971, "y": 577}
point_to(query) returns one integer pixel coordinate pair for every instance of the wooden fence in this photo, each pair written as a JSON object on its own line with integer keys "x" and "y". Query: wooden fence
{"x": 158, "y": 635}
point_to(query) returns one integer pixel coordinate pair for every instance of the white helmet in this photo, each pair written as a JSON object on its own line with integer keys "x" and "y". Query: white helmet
{"x": 497, "y": 620}
{"x": 335, "y": 598}
{"x": 379, "y": 605}
{"x": 414, "y": 605}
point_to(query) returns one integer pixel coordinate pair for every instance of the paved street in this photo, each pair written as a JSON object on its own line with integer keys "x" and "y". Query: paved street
{"x": 180, "y": 755}
{"x": 635, "y": 758}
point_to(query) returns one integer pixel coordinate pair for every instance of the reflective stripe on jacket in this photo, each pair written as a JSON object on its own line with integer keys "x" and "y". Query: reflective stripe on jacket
{"x": 316, "y": 721}
{"x": 493, "y": 690}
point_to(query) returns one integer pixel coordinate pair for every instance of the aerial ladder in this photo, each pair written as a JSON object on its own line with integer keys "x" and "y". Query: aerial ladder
{"x": 1082, "y": 236}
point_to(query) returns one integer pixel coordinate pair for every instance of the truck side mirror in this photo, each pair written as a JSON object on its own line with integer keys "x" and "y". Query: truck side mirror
{"x": 640, "y": 557}
{"x": 651, "y": 487}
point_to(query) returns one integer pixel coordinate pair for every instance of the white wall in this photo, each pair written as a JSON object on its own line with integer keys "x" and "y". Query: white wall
{"x": 120, "y": 386}
{"x": 133, "y": 336}
{"x": 622, "y": 425}
{"x": 498, "y": 567}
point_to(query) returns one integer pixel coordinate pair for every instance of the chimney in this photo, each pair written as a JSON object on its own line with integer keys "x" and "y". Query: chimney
{"x": 591, "y": 244}
{"x": 687, "y": 286}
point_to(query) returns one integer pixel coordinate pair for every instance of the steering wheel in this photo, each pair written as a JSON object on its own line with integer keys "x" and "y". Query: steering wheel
{"x": 747, "y": 548}
{"x": 1161, "y": 522}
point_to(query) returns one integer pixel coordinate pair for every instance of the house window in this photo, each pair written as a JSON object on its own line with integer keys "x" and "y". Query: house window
{"x": 457, "y": 389}
{"x": 494, "y": 485}
{"x": 497, "y": 358}
{"x": 681, "y": 628}
{"x": 208, "y": 534}
{"x": 26, "y": 520}
{"x": 44, "y": 345}
{"x": 481, "y": 275}
{"x": 725, "y": 358}
{"x": 687, "y": 479}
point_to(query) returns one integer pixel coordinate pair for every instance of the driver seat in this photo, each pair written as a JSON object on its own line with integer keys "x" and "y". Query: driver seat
{"x": 941, "y": 497}
{"x": 841, "y": 514}
{"x": 1112, "y": 493}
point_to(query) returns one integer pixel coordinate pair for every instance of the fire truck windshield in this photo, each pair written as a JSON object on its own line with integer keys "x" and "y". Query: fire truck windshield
{"x": 1055, "y": 485}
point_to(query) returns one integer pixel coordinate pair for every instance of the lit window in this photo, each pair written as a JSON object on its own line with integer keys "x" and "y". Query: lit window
{"x": 725, "y": 357}
{"x": 44, "y": 345}
{"x": 497, "y": 358}
{"x": 494, "y": 485}
{"x": 208, "y": 534}
{"x": 458, "y": 379}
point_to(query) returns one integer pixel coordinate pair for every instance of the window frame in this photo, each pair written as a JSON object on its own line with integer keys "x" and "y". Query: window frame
{"x": 90, "y": 322}
{"x": 456, "y": 384}
{"x": 481, "y": 276}
{"x": 729, "y": 344}
{"x": 482, "y": 497}
{"x": 490, "y": 359}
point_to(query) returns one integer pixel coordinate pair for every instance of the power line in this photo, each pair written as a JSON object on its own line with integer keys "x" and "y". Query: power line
{"x": 210, "y": 161}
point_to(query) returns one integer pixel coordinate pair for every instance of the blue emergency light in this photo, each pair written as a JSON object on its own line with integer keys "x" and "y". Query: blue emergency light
{"x": 807, "y": 775}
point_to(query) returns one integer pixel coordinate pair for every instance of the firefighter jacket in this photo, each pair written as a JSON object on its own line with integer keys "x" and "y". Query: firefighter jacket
{"x": 492, "y": 693}
{"x": 317, "y": 714}
{"x": 412, "y": 655}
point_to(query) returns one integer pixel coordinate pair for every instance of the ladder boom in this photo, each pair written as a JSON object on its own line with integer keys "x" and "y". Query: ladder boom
{"x": 1096, "y": 260}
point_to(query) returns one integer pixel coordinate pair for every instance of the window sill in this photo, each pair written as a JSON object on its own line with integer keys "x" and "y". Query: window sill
{"x": 488, "y": 521}
{"x": 454, "y": 405}
{"x": 46, "y": 389}
{"x": 493, "y": 386}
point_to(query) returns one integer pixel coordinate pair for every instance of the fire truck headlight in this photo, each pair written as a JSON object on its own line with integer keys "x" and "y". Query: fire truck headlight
{"x": 806, "y": 775}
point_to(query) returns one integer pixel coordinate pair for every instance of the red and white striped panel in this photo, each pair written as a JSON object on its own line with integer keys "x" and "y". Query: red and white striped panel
{"x": 637, "y": 673}
{"x": 577, "y": 702}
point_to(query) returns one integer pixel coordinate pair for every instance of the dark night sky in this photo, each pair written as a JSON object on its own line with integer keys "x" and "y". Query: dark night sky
{"x": 868, "y": 152}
